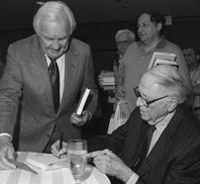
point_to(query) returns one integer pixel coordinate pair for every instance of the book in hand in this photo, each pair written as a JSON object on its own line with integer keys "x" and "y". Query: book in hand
{"x": 83, "y": 101}
{"x": 106, "y": 78}
{"x": 109, "y": 87}
{"x": 163, "y": 58}
{"x": 46, "y": 162}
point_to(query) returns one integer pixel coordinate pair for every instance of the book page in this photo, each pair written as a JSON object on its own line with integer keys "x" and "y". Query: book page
{"x": 47, "y": 161}
{"x": 165, "y": 62}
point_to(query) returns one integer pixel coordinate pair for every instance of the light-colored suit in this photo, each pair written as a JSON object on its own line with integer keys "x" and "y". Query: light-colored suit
{"x": 25, "y": 84}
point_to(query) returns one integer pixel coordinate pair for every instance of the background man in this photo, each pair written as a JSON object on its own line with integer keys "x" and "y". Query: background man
{"x": 32, "y": 113}
{"x": 193, "y": 61}
{"x": 172, "y": 153}
{"x": 108, "y": 99}
{"x": 138, "y": 55}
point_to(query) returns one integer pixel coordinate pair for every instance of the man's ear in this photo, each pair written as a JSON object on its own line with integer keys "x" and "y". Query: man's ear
{"x": 173, "y": 104}
{"x": 159, "y": 26}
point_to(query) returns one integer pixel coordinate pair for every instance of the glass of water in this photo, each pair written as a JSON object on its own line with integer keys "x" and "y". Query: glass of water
{"x": 77, "y": 150}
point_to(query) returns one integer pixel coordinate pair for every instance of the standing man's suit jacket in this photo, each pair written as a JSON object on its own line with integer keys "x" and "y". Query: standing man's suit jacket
{"x": 25, "y": 83}
{"x": 175, "y": 159}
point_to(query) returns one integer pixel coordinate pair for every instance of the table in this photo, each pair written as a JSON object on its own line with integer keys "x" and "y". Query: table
{"x": 60, "y": 176}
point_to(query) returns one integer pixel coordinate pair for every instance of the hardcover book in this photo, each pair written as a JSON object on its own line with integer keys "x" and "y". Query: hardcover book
{"x": 163, "y": 58}
{"x": 82, "y": 101}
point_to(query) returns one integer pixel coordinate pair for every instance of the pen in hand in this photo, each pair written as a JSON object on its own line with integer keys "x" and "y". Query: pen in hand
{"x": 61, "y": 142}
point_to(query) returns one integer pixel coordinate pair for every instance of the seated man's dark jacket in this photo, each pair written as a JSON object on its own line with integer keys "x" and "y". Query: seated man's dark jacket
{"x": 175, "y": 159}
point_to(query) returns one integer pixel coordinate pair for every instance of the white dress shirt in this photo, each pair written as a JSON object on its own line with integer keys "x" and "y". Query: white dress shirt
{"x": 61, "y": 67}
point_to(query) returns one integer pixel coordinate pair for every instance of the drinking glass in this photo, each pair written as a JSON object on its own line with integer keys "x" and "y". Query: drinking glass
{"x": 77, "y": 150}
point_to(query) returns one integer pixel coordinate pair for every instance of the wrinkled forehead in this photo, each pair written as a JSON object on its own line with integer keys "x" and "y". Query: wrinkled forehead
{"x": 53, "y": 27}
{"x": 150, "y": 84}
{"x": 122, "y": 37}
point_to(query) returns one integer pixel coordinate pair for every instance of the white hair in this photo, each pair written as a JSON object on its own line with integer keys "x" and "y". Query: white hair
{"x": 53, "y": 11}
{"x": 169, "y": 77}
{"x": 130, "y": 34}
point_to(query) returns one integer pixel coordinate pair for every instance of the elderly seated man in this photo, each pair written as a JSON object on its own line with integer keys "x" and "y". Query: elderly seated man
{"x": 173, "y": 155}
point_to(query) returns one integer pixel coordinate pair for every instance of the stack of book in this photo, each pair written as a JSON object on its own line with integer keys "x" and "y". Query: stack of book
{"x": 107, "y": 80}
{"x": 163, "y": 58}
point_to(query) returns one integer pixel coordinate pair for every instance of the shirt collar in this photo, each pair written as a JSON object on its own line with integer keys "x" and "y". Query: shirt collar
{"x": 59, "y": 60}
{"x": 163, "y": 124}
{"x": 160, "y": 45}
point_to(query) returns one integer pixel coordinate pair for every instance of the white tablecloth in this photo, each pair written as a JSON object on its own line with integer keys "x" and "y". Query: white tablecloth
{"x": 60, "y": 176}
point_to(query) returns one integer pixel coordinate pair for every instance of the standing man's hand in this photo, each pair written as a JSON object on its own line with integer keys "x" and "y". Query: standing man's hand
{"x": 56, "y": 151}
{"x": 6, "y": 153}
{"x": 81, "y": 120}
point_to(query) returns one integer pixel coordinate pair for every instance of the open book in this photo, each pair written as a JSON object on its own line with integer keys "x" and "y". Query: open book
{"x": 46, "y": 162}
{"x": 163, "y": 58}
{"x": 82, "y": 101}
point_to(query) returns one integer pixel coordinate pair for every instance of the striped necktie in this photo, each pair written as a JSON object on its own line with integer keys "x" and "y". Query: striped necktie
{"x": 54, "y": 80}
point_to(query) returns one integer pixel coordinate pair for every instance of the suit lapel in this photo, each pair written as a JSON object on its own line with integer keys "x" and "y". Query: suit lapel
{"x": 39, "y": 61}
{"x": 140, "y": 141}
{"x": 132, "y": 150}
{"x": 162, "y": 146}
{"x": 159, "y": 151}
{"x": 71, "y": 63}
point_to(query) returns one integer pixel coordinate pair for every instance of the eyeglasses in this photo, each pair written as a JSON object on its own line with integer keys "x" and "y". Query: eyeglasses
{"x": 146, "y": 103}
{"x": 123, "y": 42}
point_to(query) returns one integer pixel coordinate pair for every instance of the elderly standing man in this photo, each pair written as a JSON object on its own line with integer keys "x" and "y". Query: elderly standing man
{"x": 172, "y": 155}
{"x": 109, "y": 99}
{"x": 43, "y": 79}
{"x": 123, "y": 39}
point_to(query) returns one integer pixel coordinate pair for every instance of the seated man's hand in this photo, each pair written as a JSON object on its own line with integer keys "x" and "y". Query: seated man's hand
{"x": 110, "y": 164}
{"x": 6, "y": 153}
{"x": 81, "y": 120}
{"x": 57, "y": 152}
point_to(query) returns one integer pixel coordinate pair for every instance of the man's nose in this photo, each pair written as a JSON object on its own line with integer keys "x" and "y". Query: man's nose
{"x": 56, "y": 45}
{"x": 139, "y": 102}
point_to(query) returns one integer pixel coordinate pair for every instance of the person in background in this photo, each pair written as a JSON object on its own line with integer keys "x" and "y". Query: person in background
{"x": 193, "y": 62}
{"x": 44, "y": 77}
{"x": 170, "y": 154}
{"x": 123, "y": 38}
{"x": 150, "y": 29}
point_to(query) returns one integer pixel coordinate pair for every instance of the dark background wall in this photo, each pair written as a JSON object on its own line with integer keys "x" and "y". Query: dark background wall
{"x": 184, "y": 31}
